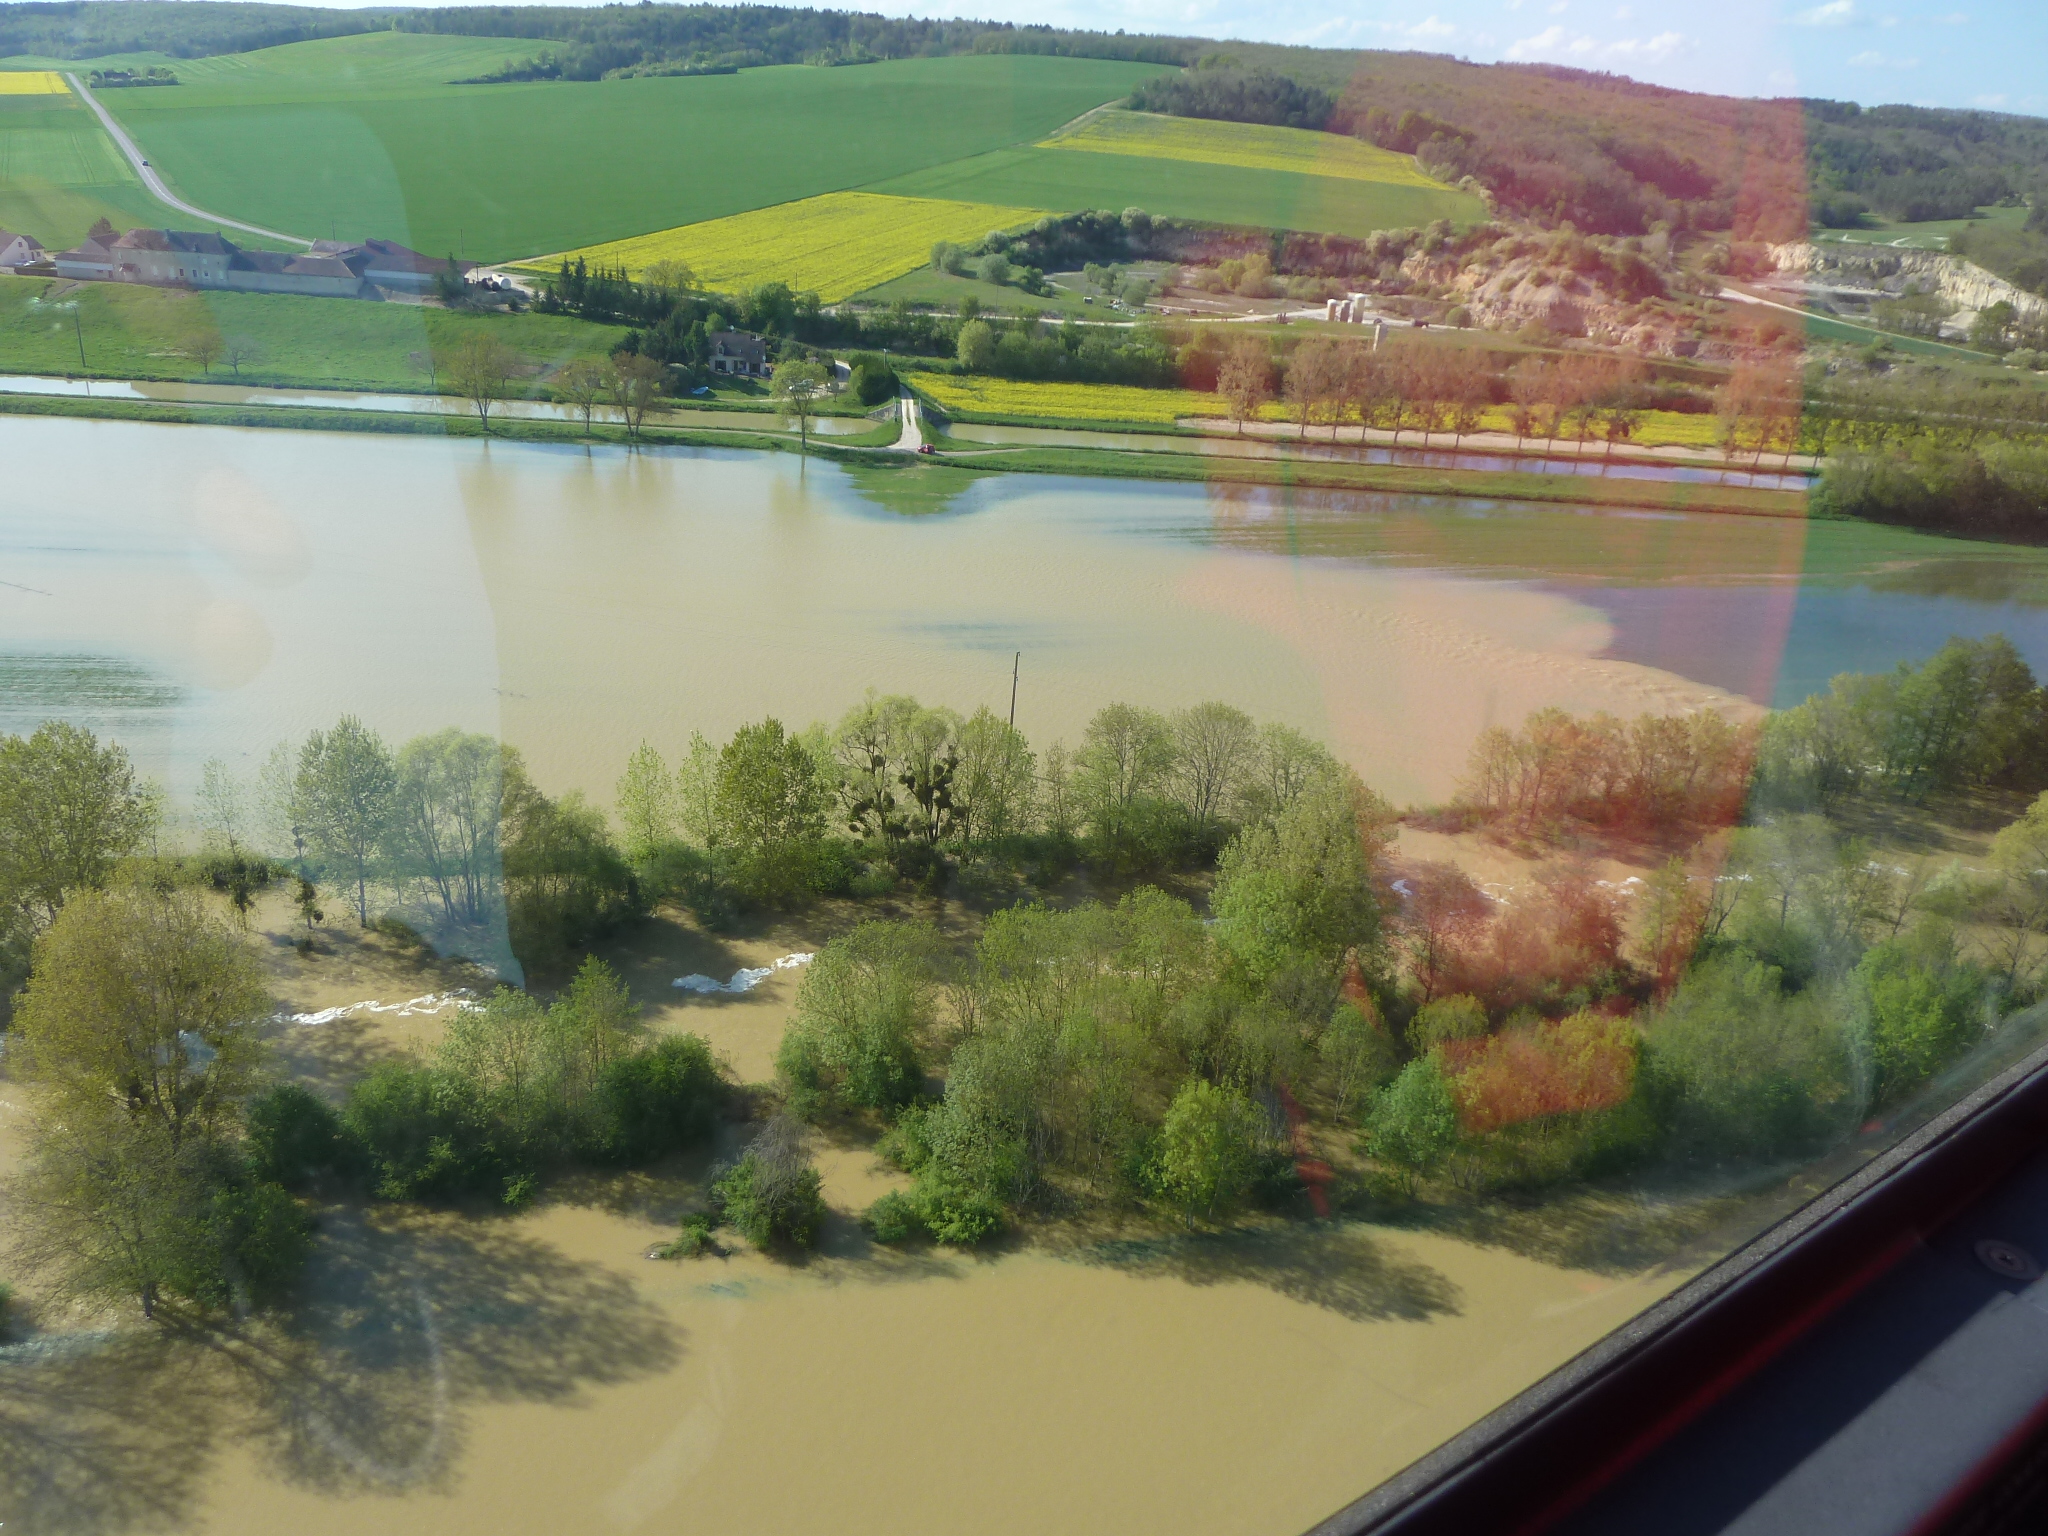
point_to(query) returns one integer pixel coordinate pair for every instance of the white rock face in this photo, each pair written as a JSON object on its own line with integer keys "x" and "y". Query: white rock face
{"x": 1886, "y": 271}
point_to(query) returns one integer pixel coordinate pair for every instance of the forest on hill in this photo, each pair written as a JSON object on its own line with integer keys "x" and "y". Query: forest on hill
{"x": 191, "y": 29}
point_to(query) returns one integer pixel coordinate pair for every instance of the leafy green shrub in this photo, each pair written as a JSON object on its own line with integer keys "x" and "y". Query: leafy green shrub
{"x": 873, "y": 380}
{"x": 423, "y": 1136}
{"x": 656, "y": 1100}
{"x": 1738, "y": 1067}
{"x": 861, "y": 1009}
{"x": 1461, "y": 1017}
{"x": 398, "y": 932}
{"x": 1412, "y": 1125}
{"x": 1207, "y": 1157}
{"x": 692, "y": 878}
{"x": 693, "y": 1241}
{"x": 894, "y": 1219}
{"x": 955, "y": 1214}
{"x": 294, "y": 1137}
{"x": 1924, "y": 1008}
{"x": 265, "y": 1233}
{"x": 772, "y": 1196}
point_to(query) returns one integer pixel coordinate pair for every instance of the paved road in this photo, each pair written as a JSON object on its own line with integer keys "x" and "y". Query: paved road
{"x": 155, "y": 183}
{"x": 913, "y": 428}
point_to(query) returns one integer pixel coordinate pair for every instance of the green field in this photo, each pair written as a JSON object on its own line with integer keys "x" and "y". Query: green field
{"x": 1066, "y": 180}
{"x": 1933, "y": 235}
{"x": 132, "y": 331}
{"x": 943, "y": 290}
{"x": 59, "y": 173}
{"x": 360, "y": 135}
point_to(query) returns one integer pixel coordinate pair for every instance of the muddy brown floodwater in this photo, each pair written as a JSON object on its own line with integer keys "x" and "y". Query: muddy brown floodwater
{"x": 214, "y": 591}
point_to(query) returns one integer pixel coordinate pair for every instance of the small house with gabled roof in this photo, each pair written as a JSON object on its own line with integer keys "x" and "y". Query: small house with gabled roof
{"x": 19, "y": 250}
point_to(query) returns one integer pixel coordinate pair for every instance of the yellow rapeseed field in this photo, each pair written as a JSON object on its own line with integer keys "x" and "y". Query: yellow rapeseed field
{"x": 1253, "y": 145}
{"x": 835, "y": 246}
{"x": 32, "y": 82}
{"x": 1067, "y": 402}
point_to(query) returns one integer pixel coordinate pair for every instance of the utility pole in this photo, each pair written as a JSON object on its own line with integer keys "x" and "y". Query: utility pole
{"x": 78, "y": 325}
{"x": 1015, "y": 666}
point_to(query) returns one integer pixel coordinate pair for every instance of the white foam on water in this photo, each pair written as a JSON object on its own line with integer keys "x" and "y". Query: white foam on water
{"x": 430, "y": 1002}
{"x": 744, "y": 980}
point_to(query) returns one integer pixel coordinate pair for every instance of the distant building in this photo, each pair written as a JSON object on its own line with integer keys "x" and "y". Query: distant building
{"x": 19, "y": 250}
{"x": 186, "y": 259}
{"x": 391, "y": 265}
{"x": 737, "y": 352}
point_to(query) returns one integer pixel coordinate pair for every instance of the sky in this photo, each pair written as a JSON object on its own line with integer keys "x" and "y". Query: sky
{"x": 1947, "y": 53}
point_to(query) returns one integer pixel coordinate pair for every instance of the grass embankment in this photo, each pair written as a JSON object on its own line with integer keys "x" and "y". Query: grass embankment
{"x": 1506, "y": 485}
{"x": 132, "y": 331}
{"x": 1017, "y": 402}
{"x": 365, "y": 136}
{"x": 834, "y": 245}
{"x": 431, "y": 424}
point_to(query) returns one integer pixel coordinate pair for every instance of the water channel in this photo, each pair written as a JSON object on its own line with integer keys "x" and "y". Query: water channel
{"x": 202, "y": 592}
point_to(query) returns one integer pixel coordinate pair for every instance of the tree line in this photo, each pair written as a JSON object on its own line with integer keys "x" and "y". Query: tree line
{"x": 1774, "y": 984}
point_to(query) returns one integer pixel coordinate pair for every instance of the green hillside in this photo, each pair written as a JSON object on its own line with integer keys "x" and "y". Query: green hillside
{"x": 59, "y": 173}
{"x": 362, "y": 135}
{"x": 1065, "y": 180}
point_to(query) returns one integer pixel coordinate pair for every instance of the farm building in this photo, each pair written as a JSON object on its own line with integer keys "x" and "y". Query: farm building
{"x": 738, "y": 352}
{"x": 19, "y": 250}
{"x": 184, "y": 258}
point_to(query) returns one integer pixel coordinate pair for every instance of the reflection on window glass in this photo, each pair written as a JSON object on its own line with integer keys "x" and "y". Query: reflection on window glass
{"x": 762, "y": 767}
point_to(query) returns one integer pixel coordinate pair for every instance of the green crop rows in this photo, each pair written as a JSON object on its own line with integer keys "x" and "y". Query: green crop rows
{"x": 361, "y": 135}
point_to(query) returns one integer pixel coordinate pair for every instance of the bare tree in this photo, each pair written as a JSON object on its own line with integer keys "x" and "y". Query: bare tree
{"x": 1216, "y": 751}
{"x": 634, "y": 383}
{"x": 580, "y": 385}
{"x": 481, "y": 371}
{"x": 1246, "y": 378}
{"x": 239, "y": 350}
{"x": 797, "y": 384}
{"x": 203, "y": 347}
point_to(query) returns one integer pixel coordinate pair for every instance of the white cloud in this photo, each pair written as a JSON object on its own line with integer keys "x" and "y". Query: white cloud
{"x": 1836, "y": 13}
{"x": 1545, "y": 41}
{"x": 1872, "y": 59}
{"x": 1994, "y": 101}
{"x": 1431, "y": 26}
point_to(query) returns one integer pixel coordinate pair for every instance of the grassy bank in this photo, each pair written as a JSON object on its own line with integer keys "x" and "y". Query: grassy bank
{"x": 138, "y": 331}
{"x": 1505, "y": 485}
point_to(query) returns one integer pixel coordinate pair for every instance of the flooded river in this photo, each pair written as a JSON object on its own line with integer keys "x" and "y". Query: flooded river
{"x": 207, "y": 592}
{"x": 202, "y": 592}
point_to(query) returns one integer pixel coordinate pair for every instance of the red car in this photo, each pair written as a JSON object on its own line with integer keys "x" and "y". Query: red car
{"x": 926, "y": 448}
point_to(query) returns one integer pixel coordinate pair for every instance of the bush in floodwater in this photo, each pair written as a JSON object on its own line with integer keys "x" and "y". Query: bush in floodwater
{"x": 652, "y": 1102}
{"x": 772, "y": 1196}
{"x": 423, "y": 1137}
{"x": 295, "y": 1137}
{"x": 693, "y": 1241}
{"x": 893, "y": 1219}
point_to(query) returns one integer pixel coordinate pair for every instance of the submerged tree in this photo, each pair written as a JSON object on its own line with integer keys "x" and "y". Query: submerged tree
{"x": 69, "y": 809}
{"x": 345, "y": 796}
